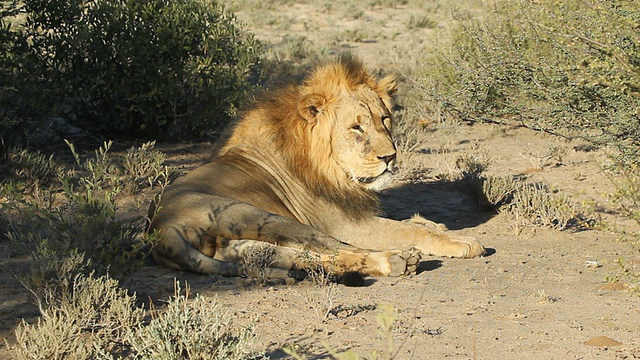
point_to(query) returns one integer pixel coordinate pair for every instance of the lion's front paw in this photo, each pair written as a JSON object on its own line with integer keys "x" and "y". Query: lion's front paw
{"x": 432, "y": 225}
{"x": 404, "y": 263}
{"x": 464, "y": 247}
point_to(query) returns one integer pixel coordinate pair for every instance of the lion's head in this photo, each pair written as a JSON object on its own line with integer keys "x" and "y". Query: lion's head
{"x": 333, "y": 132}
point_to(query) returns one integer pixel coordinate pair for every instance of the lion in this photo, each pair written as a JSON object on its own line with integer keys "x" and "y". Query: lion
{"x": 300, "y": 170}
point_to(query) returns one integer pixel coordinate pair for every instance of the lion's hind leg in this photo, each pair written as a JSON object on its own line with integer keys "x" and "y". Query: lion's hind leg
{"x": 286, "y": 232}
{"x": 192, "y": 224}
{"x": 257, "y": 256}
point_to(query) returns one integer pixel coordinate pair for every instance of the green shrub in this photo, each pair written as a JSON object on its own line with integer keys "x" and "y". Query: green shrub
{"x": 49, "y": 276}
{"x": 82, "y": 222}
{"x": 71, "y": 226}
{"x": 564, "y": 68}
{"x": 150, "y": 68}
{"x": 627, "y": 190}
{"x": 191, "y": 329}
{"x": 32, "y": 170}
{"x": 21, "y": 101}
{"x": 258, "y": 259}
{"x": 570, "y": 68}
{"x": 144, "y": 166}
{"x": 535, "y": 204}
{"x": 420, "y": 22}
{"x": 96, "y": 319}
{"x": 78, "y": 244}
{"x": 90, "y": 318}
{"x": 322, "y": 295}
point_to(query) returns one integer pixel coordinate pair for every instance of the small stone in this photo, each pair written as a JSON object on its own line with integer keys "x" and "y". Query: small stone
{"x": 602, "y": 341}
{"x": 612, "y": 286}
{"x": 593, "y": 264}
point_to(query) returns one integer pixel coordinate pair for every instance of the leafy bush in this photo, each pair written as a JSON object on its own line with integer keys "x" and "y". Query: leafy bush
{"x": 71, "y": 227}
{"x": 322, "y": 295}
{"x": 96, "y": 319}
{"x": 535, "y": 204}
{"x": 33, "y": 170}
{"x": 569, "y": 68}
{"x": 151, "y": 68}
{"x": 627, "y": 190}
{"x": 20, "y": 100}
{"x": 92, "y": 317}
{"x": 191, "y": 329}
{"x": 145, "y": 166}
{"x": 77, "y": 243}
{"x": 56, "y": 231}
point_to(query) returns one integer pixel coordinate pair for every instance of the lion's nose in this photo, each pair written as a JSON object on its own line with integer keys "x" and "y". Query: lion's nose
{"x": 387, "y": 158}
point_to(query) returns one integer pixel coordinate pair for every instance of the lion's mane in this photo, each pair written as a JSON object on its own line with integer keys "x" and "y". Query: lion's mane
{"x": 305, "y": 146}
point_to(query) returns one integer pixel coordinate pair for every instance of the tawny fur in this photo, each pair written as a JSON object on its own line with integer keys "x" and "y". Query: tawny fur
{"x": 297, "y": 171}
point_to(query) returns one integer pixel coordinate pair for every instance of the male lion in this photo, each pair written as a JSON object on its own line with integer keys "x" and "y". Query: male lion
{"x": 299, "y": 171}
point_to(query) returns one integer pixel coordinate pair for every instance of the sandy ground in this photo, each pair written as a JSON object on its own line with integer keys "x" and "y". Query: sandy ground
{"x": 537, "y": 295}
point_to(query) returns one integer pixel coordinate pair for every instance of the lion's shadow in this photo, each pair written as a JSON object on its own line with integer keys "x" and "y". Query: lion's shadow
{"x": 439, "y": 202}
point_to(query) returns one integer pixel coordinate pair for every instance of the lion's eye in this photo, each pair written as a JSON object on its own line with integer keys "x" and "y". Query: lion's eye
{"x": 357, "y": 128}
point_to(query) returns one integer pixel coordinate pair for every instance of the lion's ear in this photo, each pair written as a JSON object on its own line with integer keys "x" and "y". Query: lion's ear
{"x": 388, "y": 85}
{"x": 310, "y": 106}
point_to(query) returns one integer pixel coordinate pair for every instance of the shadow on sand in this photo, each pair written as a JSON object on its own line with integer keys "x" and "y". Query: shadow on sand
{"x": 439, "y": 202}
